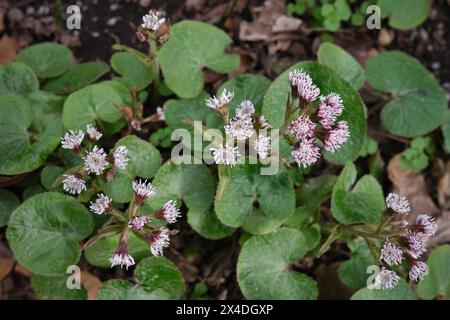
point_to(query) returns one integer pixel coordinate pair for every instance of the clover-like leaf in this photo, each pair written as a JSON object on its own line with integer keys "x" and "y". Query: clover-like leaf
{"x": 437, "y": 282}
{"x": 417, "y": 10}
{"x": 192, "y": 46}
{"x": 44, "y": 232}
{"x": 418, "y": 103}
{"x": 342, "y": 62}
{"x": 55, "y": 288}
{"x": 157, "y": 279}
{"x": 100, "y": 251}
{"x": 76, "y": 77}
{"x": 364, "y": 203}
{"x": 246, "y": 87}
{"x": 96, "y": 102}
{"x": 242, "y": 185}
{"x": 47, "y": 60}
{"x": 263, "y": 267}
{"x": 133, "y": 71}
{"x": 29, "y": 135}
{"x": 8, "y": 202}
{"x": 274, "y": 107}
{"x": 16, "y": 77}
{"x": 401, "y": 292}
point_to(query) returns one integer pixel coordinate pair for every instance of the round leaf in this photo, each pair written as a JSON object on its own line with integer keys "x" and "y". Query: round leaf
{"x": 44, "y": 232}
{"x": 437, "y": 282}
{"x": 47, "y": 60}
{"x": 192, "y": 46}
{"x": 18, "y": 78}
{"x": 8, "y": 202}
{"x": 328, "y": 81}
{"x": 134, "y": 73}
{"x": 208, "y": 225}
{"x": 263, "y": 270}
{"x": 418, "y": 103}
{"x": 401, "y": 292}
{"x": 417, "y": 12}
{"x": 55, "y": 288}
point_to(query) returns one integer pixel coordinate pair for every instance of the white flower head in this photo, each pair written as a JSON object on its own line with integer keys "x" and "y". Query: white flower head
{"x": 306, "y": 89}
{"x": 73, "y": 185}
{"x": 93, "y": 133}
{"x": 416, "y": 244}
{"x": 302, "y": 127}
{"x": 336, "y": 137}
{"x": 160, "y": 114}
{"x": 239, "y": 128}
{"x": 227, "y": 155}
{"x": 143, "y": 190}
{"x": 122, "y": 257}
{"x": 72, "y": 140}
{"x": 426, "y": 224}
{"x": 245, "y": 110}
{"x": 138, "y": 222}
{"x": 306, "y": 154}
{"x": 262, "y": 146}
{"x": 95, "y": 161}
{"x": 153, "y": 20}
{"x": 101, "y": 205}
{"x": 222, "y": 100}
{"x": 418, "y": 270}
{"x": 330, "y": 108}
{"x": 158, "y": 241}
{"x": 120, "y": 157}
{"x": 397, "y": 203}
{"x": 391, "y": 253}
{"x": 170, "y": 212}
{"x": 388, "y": 279}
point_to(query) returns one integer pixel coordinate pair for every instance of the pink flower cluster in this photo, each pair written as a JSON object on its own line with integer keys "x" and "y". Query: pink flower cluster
{"x": 410, "y": 246}
{"x": 317, "y": 120}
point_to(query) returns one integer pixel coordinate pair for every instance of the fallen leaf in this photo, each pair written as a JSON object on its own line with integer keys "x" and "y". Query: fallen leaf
{"x": 286, "y": 24}
{"x": 91, "y": 283}
{"x": 6, "y": 265}
{"x": 7, "y": 50}
{"x": 21, "y": 269}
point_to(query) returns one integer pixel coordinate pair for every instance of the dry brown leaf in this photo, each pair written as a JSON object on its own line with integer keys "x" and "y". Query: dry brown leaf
{"x": 22, "y": 270}
{"x": 7, "y": 50}
{"x": 91, "y": 283}
{"x": 6, "y": 265}
{"x": 412, "y": 186}
{"x": 286, "y": 24}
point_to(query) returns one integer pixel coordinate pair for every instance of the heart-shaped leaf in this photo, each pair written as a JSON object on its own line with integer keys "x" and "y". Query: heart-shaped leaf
{"x": 18, "y": 78}
{"x": 437, "y": 282}
{"x": 208, "y": 225}
{"x": 274, "y": 107}
{"x": 263, "y": 267}
{"x": 44, "y": 232}
{"x": 417, "y": 10}
{"x": 133, "y": 71}
{"x": 192, "y": 46}
{"x": 418, "y": 103}
{"x": 29, "y": 135}
{"x": 401, "y": 292}
{"x": 8, "y": 202}
{"x": 76, "y": 77}
{"x": 157, "y": 279}
{"x": 343, "y": 63}
{"x": 55, "y": 288}
{"x": 47, "y": 60}
{"x": 363, "y": 204}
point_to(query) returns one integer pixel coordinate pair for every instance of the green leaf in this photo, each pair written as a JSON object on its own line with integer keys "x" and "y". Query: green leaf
{"x": 274, "y": 107}
{"x": 259, "y": 223}
{"x": 417, "y": 10}
{"x": 76, "y": 77}
{"x": 8, "y": 202}
{"x": 246, "y": 87}
{"x": 446, "y": 130}
{"x": 55, "y": 288}
{"x": 342, "y": 62}
{"x": 95, "y": 102}
{"x": 157, "y": 279}
{"x": 49, "y": 175}
{"x": 263, "y": 267}
{"x": 32, "y": 190}
{"x": 315, "y": 190}
{"x": 16, "y": 77}
{"x": 369, "y": 147}
{"x": 206, "y": 223}
{"x": 242, "y": 185}
{"x": 120, "y": 188}
{"x": 437, "y": 283}
{"x": 133, "y": 71}
{"x": 44, "y": 232}
{"x": 99, "y": 252}
{"x": 418, "y": 103}
{"x": 29, "y": 135}
{"x": 192, "y": 46}
{"x": 363, "y": 204}
{"x": 48, "y": 60}
{"x": 401, "y": 292}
